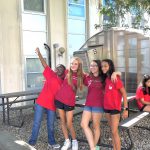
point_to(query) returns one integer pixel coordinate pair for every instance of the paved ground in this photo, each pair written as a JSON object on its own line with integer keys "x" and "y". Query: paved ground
{"x": 140, "y": 137}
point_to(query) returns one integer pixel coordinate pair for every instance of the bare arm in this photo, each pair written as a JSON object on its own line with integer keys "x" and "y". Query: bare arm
{"x": 44, "y": 64}
{"x": 114, "y": 75}
{"x": 144, "y": 102}
{"x": 125, "y": 102}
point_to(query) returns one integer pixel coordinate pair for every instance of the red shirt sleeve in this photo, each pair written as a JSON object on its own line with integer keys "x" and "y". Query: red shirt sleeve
{"x": 118, "y": 83}
{"x": 86, "y": 79}
{"x": 48, "y": 73}
{"x": 139, "y": 93}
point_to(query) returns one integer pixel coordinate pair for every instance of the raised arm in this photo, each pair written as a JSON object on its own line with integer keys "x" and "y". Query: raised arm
{"x": 43, "y": 62}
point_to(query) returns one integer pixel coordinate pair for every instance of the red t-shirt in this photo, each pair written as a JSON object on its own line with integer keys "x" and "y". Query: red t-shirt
{"x": 51, "y": 86}
{"x": 67, "y": 94}
{"x": 95, "y": 95}
{"x": 112, "y": 95}
{"x": 140, "y": 95}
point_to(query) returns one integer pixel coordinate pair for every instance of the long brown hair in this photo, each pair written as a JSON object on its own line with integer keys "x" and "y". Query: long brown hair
{"x": 79, "y": 74}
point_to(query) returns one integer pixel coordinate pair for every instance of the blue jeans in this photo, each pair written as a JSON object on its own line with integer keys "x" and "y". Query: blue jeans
{"x": 38, "y": 115}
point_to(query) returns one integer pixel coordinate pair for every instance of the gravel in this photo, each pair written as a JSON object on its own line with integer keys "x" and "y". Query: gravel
{"x": 140, "y": 137}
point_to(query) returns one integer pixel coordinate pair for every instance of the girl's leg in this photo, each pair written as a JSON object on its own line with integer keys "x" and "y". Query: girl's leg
{"x": 86, "y": 117}
{"x": 108, "y": 116}
{"x": 147, "y": 108}
{"x": 38, "y": 115}
{"x": 69, "y": 116}
{"x": 67, "y": 143}
{"x": 114, "y": 129}
{"x": 62, "y": 115}
{"x": 50, "y": 126}
{"x": 96, "y": 117}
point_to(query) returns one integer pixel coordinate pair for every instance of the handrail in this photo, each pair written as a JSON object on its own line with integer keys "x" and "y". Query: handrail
{"x": 89, "y": 39}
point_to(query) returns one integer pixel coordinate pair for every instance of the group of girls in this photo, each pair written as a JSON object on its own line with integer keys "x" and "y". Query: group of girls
{"x": 105, "y": 91}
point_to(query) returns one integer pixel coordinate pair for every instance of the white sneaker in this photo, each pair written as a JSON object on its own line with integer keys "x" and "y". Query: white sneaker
{"x": 55, "y": 146}
{"x": 67, "y": 145}
{"x": 74, "y": 145}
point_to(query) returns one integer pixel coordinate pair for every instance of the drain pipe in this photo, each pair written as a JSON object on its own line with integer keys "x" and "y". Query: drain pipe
{"x": 48, "y": 53}
{"x": 55, "y": 46}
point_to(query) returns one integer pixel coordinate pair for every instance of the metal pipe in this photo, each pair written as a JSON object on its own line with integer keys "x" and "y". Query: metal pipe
{"x": 48, "y": 53}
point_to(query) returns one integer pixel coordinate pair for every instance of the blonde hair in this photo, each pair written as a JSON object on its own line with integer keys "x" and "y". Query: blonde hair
{"x": 79, "y": 74}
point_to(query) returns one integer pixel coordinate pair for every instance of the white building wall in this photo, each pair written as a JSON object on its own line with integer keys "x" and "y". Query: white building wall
{"x": 10, "y": 52}
{"x": 94, "y": 17}
{"x": 58, "y": 29}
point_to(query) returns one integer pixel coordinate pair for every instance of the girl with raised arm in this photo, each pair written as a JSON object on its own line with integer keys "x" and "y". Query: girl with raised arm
{"x": 45, "y": 102}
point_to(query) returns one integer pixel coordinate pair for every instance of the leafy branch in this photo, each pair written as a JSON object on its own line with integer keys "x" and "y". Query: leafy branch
{"x": 114, "y": 11}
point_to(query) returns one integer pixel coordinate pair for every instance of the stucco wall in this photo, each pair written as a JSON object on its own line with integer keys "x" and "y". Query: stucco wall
{"x": 58, "y": 28}
{"x": 94, "y": 17}
{"x": 10, "y": 55}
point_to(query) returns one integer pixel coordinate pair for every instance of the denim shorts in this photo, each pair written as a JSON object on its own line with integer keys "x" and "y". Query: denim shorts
{"x": 94, "y": 109}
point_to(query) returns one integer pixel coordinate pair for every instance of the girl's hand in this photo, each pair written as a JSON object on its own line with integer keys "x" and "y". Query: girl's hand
{"x": 114, "y": 77}
{"x": 125, "y": 114}
{"x": 37, "y": 50}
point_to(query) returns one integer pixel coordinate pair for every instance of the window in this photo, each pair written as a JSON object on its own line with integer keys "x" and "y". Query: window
{"x": 31, "y": 40}
{"x": 37, "y": 22}
{"x": 34, "y": 5}
{"x": 34, "y": 34}
{"x": 34, "y": 73}
{"x": 76, "y": 10}
{"x": 107, "y": 19}
{"x": 76, "y": 25}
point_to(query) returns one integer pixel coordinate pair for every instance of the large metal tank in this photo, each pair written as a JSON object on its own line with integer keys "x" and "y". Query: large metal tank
{"x": 128, "y": 48}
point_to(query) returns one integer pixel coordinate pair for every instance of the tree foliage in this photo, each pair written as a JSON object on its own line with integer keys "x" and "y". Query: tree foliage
{"x": 115, "y": 10}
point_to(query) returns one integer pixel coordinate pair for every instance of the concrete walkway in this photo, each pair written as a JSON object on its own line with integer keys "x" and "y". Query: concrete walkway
{"x": 10, "y": 142}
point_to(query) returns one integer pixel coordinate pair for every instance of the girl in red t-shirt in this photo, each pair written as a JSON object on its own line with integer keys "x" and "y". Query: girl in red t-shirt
{"x": 143, "y": 94}
{"x": 65, "y": 101}
{"x": 93, "y": 109}
{"x": 114, "y": 91}
{"x": 45, "y": 102}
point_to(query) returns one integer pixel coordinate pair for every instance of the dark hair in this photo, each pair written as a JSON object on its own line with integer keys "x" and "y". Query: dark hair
{"x": 109, "y": 72}
{"x": 111, "y": 67}
{"x": 63, "y": 71}
{"x": 146, "y": 77}
{"x": 61, "y": 65}
{"x": 98, "y": 62}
